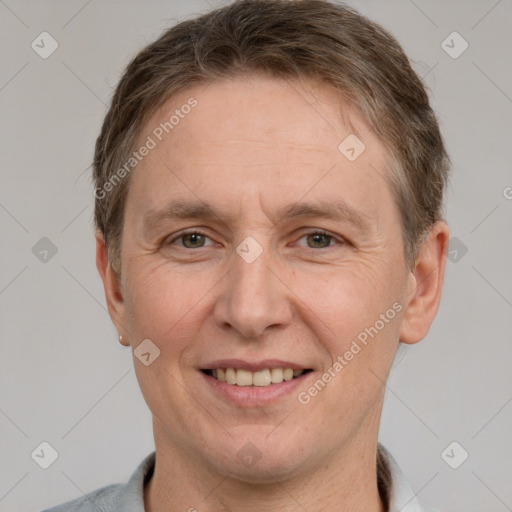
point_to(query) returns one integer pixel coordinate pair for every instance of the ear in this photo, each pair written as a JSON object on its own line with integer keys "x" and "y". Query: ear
{"x": 113, "y": 294}
{"x": 425, "y": 285}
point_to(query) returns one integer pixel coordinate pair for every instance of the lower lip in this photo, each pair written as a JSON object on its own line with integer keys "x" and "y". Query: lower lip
{"x": 254, "y": 396}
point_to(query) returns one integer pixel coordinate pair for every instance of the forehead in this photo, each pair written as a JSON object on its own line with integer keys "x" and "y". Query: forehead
{"x": 283, "y": 137}
{"x": 257, "y": 110}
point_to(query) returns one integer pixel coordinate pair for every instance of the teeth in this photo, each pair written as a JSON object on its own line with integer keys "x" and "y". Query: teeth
{"x": 230, "y": 375}
{"x": 276, "y": 375}
{"x": 259, "y": 379}
{"x": 243, "y": 378}
{"x": 288, "y": 374}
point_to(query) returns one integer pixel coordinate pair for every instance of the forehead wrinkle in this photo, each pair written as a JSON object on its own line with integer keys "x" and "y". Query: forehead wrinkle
{"x": 259, "y": 144}
{"x": 271, "y": 144}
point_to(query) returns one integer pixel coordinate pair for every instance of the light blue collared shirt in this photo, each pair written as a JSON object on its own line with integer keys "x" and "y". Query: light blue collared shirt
{"x": 129, "y": 497}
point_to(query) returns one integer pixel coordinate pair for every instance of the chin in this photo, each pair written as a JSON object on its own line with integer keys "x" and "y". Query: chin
{"x": 256, "y": 457}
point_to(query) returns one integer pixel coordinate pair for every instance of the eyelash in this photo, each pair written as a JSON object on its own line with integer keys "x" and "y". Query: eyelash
{"x": 339, "y": 241}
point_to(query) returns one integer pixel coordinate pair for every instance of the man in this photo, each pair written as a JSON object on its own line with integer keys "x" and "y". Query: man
{"x": 269, "y": 183}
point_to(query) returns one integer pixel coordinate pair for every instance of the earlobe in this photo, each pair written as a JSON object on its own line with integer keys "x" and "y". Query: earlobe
{"x": 111, "y": 285}
{"x": 426, "y": 282}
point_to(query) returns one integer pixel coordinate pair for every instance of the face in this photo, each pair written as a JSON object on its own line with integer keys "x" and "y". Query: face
{"x": 255, "y": 251}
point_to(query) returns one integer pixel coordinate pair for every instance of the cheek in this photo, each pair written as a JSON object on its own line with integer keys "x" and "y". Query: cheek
{"x": 355, "y": 314}
{"x": 160, "y": 299}
{"x": 348, "y": 300}
{"x": 160, "y": 305}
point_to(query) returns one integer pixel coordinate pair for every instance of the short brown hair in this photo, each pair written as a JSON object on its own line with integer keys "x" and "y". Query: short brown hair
{"x": 285, "y": 39}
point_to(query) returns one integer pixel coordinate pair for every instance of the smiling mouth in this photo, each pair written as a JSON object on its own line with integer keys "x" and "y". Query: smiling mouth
{"x": 262, "y": 378}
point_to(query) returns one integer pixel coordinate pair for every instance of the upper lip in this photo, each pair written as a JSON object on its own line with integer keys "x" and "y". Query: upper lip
{"x": 253, "y": 366}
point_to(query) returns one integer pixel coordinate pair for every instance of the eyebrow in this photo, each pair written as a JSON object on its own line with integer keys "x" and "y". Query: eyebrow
{"x": 338, "y": 210}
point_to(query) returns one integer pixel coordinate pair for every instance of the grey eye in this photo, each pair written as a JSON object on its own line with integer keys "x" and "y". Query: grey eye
{"x": 318, "y": 240}
{"x": 193, "y": 240}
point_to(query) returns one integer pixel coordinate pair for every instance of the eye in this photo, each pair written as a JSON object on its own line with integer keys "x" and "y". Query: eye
{"x": 319, "y": 239}
{"x": 195, "y": 239}
{"x": 190, "y": 240}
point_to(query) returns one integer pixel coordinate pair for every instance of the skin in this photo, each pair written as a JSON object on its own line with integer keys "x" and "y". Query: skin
{"x": 251, "y": 146}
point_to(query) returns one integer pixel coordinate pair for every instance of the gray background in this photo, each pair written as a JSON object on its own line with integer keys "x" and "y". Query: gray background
{"x": 65, "y": 379}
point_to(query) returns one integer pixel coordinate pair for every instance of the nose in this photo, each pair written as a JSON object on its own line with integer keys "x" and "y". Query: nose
{"x": 254, "y": 298}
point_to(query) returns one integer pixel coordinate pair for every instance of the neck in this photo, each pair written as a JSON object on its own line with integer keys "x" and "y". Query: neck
{"x": 347, "y": 481}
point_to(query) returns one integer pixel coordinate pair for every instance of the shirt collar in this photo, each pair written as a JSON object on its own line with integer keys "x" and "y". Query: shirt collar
{"x": 132, "y": 497}
{"x": 401, "y": 497}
